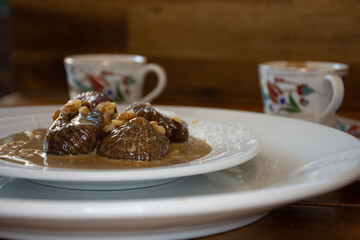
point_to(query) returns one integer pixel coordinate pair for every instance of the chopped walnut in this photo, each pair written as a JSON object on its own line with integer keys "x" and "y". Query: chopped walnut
{"x": 157, "y": 127}
{"x": 126, "y": 116}
{"x": 84, "y": 110}
{"x": 112, "y": 120}
{"x": 86, "y": 104}
{"x": 101, "y": 109}
{"x": 117, "y": 122}
{"x": 56, "y": 115}
{"x": 107, "y": 118}
{"x": 115, "y": 115}
{"x": 71, "y": 106}
{"x": 108, "y": 127}
{"x": 176, "y": 153}
{"x": 110, "y": 107}
{"x": 107, "y": 109}
{"x": 176, "y": 119}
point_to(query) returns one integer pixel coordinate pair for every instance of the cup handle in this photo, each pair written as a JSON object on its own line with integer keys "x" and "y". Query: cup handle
{"x": 159, "y": 71}
{"x": 337, "y": 86}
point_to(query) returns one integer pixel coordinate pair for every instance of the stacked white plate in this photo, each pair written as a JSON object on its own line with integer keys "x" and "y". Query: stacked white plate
{"x": 258, "y": 163}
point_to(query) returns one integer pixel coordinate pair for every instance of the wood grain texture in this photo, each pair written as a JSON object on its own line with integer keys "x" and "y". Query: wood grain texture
{"x": 300, "y": 222}
{"x": 257, "y": 30}
{"x": 348, "y": 196}
{"x": 210, "y": 49}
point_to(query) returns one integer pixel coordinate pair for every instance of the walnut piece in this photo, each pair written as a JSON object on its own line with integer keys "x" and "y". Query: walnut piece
{"x": 108, "y": 127}
{"x": 56, "y": 115}
{"x": 176, "y": 119}
{"x": 71, "y": 106}
{"x": 115, "y": 120}
{"x": 107, "y": 109}
{"x": 126, "y": 116}
{"x": 84, "y": 110}
{"x": 157, "y": 127}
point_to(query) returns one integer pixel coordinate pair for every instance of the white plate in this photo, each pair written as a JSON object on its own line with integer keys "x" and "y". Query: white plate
{"x": 231, "y": 146}
{"x": 297, "y": 160}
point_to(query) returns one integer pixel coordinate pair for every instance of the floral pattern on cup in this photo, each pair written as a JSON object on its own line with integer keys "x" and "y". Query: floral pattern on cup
{"x": 351, "y": 128}
{"x": 281, "y": 92}
{"x": 100, "y": 82}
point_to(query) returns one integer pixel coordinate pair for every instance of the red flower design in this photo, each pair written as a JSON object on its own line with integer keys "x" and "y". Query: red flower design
{"x": 279, "y": 80}
{"x": 304, "y": 102}
{"x": 126, "y": 80}
{"x": 354, "y": 130}
{"x": 97, "y": 83}
{"x": 274, "y": 91}
{"x": 106, "y": 72}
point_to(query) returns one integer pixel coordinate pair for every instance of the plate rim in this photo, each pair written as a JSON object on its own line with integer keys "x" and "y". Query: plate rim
{"x": 239, "y": 201}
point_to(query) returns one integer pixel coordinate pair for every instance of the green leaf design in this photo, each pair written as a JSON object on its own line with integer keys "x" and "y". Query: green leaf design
{"x": 81, "y": 86}
{"x": 292, "y": 102}
{"x": 294, "y": 108}
{"x": 119, "y": 97}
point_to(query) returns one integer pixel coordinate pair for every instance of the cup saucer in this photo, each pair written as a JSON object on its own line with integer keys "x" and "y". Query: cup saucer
{"x": 348, "y": 125}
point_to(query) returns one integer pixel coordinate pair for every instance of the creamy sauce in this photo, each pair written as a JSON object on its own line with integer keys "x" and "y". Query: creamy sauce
{"x": 27, "y": 148}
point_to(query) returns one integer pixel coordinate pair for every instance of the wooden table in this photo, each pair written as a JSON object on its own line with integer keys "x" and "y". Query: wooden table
{"x": 335, "y": 215}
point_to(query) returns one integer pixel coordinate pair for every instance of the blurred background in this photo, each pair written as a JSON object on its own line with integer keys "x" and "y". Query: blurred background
{"x": 209, "y": 48}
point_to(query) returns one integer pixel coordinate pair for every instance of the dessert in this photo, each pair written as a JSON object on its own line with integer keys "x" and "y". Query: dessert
{"x": 90, "y": 122}
{"x": 89, "y": 133}
{"x": 76, "y": 133}
{"x": 93, "y": 98}
{"x": 77, "y": 126}
{"x": 176, "y": 129}
{"x": 134, "y": 140}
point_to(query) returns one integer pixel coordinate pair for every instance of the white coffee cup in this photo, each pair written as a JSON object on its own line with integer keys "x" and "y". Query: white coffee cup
{"x": 307, "y": 90}
{"x": 120, "y": 76}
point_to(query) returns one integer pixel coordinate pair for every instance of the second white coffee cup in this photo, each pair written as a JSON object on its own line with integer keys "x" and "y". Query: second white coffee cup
{"x": 307, "y": 90}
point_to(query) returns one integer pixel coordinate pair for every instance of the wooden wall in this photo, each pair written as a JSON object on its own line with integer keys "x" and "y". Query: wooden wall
{"x": 209, "y": 48}
{"x": 5, "y": 84}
